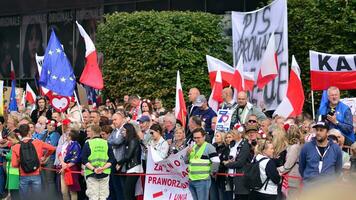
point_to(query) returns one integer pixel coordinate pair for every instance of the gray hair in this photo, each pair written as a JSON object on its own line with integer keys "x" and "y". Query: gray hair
{"x": 170, "y": 117}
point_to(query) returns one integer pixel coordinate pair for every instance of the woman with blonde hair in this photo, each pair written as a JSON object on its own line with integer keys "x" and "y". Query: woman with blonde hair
{"x": 268, "y": 172}
{"x": 291, "y": 164}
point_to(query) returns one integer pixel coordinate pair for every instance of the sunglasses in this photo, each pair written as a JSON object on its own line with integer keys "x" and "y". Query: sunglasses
{"x": 252, "y": 121}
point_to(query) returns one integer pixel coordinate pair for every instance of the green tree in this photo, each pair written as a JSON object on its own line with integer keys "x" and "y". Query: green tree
{"x": 143, "y": 51}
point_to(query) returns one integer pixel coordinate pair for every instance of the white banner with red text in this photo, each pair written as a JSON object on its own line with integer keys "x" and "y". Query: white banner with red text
{"x": 167, "y": 179}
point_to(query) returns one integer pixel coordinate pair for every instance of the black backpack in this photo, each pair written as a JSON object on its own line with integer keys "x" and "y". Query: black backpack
{"x": 29, "y": 161}
{"x": 252, "y": 175}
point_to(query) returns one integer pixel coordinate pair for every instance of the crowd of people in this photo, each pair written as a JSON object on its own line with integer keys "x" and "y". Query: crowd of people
{"x": 79, "y": 154}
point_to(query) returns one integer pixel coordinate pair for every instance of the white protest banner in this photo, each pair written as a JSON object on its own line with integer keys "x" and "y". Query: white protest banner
{"x": 351, "y": 103}
{"x": 173, "y": 183}
{"x": 332, "y": 70}
{"x": 224, "y": 120}
{"x": 251, "y": 32}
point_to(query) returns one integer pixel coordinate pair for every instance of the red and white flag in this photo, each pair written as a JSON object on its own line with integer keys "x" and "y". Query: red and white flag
{"x": 91, "y": 74}
{"x": 269, "y": 64}
{"x": 238, "y": 82}
{"x": 249, "y": 81}
{"x": 30, "y": 95}
{"x": 292, "y": 104}
{"x": 215, "y": 65}
{"x": 180, "y": 109}
{"x": 337, "y": 70}
{"x": 215, "y": 98}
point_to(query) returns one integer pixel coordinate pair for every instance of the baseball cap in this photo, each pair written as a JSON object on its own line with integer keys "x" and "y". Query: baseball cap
{"x": 321, "y": 124}
{"x": 200, "y": 100}
{"x": 251, "y": 127}
{"x": 144, "y": 118}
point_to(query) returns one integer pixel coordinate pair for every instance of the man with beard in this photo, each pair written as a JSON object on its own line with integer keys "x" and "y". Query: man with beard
{"x": 320, "y": 157}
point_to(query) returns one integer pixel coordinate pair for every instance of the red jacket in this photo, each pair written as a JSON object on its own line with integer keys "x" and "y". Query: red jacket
{"x": 40, "y": 147}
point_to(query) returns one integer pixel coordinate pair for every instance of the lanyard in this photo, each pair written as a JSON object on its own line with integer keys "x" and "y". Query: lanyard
{"x": 322, "y": 156}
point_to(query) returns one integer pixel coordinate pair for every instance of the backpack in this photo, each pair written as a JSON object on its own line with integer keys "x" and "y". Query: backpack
{"x": 252, "y": 175}
{"x": 29, "y": 161}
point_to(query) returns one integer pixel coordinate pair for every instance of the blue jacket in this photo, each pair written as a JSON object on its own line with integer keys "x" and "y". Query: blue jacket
{"x": 309, "y": 161}
{"x": 206, "y": 116}
{"x": 344, "y": 117}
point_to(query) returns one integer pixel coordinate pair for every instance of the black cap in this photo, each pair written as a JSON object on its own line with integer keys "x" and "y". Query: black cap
{"x": 321, "y": 124}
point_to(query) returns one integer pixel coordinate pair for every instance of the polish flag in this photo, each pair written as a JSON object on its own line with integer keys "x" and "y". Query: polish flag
{"x": 238, "y": 81}
{"x": 249, "y": 81}
{"x": 180, "y": 109}
{"x": 292, "y": 104}
{"x": 30, "y": 95}
{"x": 216, "y": 94}
{"x": 215, "y": 65}
{"x": 269, "y": 64}
{"x": 12, "y": 72}
{"x": 91, "y": 75}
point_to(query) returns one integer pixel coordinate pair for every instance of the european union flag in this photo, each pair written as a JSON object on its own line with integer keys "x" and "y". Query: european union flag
{"x": 57, "y": 73}
{"x": 13, "y": 103}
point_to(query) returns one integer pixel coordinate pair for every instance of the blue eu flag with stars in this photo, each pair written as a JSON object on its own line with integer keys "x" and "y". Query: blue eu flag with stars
{"x": 57, "y": 73}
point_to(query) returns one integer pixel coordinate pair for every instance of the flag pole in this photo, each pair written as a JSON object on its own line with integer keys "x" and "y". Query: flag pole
{"x": 313, "y": 107}
{"x": 79, "y": 106}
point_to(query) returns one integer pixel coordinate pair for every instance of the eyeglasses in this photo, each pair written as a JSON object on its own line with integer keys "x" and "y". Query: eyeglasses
{"x": 252, "y": 121}
{"x": 151, "y": 132}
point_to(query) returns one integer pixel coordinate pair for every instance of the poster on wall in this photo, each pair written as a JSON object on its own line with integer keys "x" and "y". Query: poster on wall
{"x": 33, "y": 40}
{"x": 9, "y": 45}
{"x": 251, "y": 32}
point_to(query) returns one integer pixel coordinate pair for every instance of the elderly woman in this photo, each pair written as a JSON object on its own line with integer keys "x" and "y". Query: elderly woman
{"x": 158, "y": 143}
{"x": 178, "y": 143}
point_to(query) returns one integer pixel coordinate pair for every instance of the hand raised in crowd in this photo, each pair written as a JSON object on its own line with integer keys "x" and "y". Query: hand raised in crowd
{"x": 331, "y": 118}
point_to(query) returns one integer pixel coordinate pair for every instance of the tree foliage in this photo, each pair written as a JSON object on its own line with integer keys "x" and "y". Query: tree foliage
{"x": 144, "y": 50}
{"x": 326, "y": 26}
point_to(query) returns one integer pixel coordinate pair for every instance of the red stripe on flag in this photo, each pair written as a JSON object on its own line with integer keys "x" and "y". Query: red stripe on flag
{"x": 323, "y": 80}
{"x": 157, "y": 194}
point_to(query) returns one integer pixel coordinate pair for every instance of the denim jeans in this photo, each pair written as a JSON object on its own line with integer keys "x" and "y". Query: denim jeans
{"x": 2, "y": 176}
{"x": 30, "y": 186}
{"x": 200, "y": 189}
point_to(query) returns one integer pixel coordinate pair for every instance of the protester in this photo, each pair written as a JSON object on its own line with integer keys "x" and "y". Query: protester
{"x": 206, "y": 114}
{"x": 216, "y": 184}
{"x": 97, "y": 156}
{"x": 158, "y": 107}
{"x": 12, "y": 173}
{"x": 193, "y": 123}
{"x": 169, "y": 127}
{"x": 239, "y": 157}
{"x": 158, "y": 143}
{"x": 106, "y": 131}
{"x": 131, "y": 160}
{"x": 203, "y": 161}
{"x": 146, "y": 106}
{"x": 30, "y": 179}
{"x": 291, "y": 164}
{"x": 70, "y": 161}
{"x": 73, "y": 111}
{"x": 135, "y": 104}
{"x": 41, "y": 110}
{"x": 338, "y": 115}
{"x": 245, "y": 109}
{"x": 320, "y": 158}
{"x": 116, "y": 141}
{"x": 178, "y": 143}
{"x": 95, "y": 117}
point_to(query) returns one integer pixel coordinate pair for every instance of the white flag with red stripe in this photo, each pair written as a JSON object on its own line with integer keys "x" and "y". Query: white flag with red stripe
{"x": 12, "y": 72}
{"x": 215, "y": 65}
{"x": 91, "y": 74}
{"x": 180, "y": 109}
{"x": 292, "y": 104}
{"x": 30, "y": 95}
{"x": 216, "y": 94}
{"x": 269, "y": 64}
{"x": 238, "y": 82}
